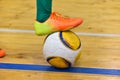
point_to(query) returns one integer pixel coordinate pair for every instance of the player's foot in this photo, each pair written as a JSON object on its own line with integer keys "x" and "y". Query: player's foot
{"x": 2, "y": 53}
{"x": 56, "y": 23}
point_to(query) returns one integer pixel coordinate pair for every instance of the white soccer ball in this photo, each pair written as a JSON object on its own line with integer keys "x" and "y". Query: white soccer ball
{"x": 61, "y": 49}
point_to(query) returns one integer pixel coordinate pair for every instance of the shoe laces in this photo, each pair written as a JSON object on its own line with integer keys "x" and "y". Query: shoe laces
{"x": 58, "y": 16}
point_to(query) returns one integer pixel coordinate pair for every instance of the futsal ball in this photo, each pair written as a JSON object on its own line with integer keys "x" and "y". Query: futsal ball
{"x": 61, "y": 49}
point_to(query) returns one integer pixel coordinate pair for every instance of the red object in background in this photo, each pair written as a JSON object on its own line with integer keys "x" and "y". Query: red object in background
{"x": 2, "y": 53}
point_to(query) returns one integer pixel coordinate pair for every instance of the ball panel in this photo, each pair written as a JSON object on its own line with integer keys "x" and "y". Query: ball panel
{"x": 70, "y": 39}
{"x": 58, "y": 62}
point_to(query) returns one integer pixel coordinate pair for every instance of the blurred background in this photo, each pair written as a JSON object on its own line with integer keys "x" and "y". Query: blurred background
{"x": 100, "y": 16}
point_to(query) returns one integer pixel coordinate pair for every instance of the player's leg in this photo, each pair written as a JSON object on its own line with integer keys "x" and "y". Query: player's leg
{"x": 48, "y": 22}
{"x": 43, "y": 9}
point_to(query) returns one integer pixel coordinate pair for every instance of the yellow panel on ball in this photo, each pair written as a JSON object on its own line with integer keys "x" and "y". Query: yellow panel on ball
{"x": 58, "y": 62}
{"x": 71, "y": 40}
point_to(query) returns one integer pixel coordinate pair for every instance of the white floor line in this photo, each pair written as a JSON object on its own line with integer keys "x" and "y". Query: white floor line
{"x": 78, "y": 33}
{"x": 98, "y": 34}
{"x": 15, "y": 30}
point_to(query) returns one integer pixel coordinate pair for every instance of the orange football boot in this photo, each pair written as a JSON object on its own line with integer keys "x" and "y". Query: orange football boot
{"x": 56, "y": 23}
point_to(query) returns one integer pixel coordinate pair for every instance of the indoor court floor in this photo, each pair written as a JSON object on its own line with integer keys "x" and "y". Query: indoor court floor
{"x": 99, "y": 33}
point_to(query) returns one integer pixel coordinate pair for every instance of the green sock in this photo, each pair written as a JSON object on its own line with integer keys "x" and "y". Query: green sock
{"x": 44, "y": 8}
